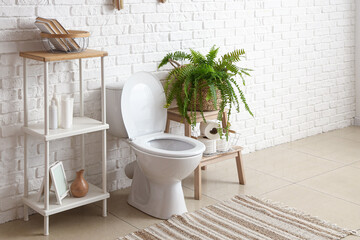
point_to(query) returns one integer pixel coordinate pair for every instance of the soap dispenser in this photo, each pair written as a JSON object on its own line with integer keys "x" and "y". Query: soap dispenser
{"x": 53, "y": 115}
{"x": 57, "y": 99}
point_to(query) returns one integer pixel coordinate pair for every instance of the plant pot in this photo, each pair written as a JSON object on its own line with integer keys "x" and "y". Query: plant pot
{"x": 207, "y": 105}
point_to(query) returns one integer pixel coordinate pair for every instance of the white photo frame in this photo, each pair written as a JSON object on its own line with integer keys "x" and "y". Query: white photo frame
{"x": 59, "y": 180}
{"x": 41, "y": 190}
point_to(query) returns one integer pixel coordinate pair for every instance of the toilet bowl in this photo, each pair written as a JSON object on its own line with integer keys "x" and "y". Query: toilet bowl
{"x": 135, "y": 111}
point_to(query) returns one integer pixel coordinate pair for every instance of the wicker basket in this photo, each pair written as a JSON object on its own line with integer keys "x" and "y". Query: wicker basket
{"x": 223, "y": 146}
{"x": 206, "y": 105}
{"x": 74, "y": 41}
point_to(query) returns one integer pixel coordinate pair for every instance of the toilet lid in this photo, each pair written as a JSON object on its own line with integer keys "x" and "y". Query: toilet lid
{"x": 142, "y": 104}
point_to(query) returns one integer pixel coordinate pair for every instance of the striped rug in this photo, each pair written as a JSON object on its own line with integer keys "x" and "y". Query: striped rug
{"x": 241, "y": 217}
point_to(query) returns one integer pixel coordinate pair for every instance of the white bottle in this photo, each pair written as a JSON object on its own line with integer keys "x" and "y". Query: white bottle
{"x": 53, "y": 123}
{"x": 67, "y": 106}
{"x": 57, "y": 100}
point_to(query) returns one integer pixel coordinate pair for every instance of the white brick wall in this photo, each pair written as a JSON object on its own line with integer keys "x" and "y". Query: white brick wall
{"x": 302, "y": 53}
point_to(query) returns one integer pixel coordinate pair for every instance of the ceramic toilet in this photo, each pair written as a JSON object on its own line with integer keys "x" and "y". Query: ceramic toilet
{"x": 135, "y": 110}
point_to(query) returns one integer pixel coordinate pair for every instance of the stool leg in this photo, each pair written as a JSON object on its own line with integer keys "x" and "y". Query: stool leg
{"x": 187, "y": 129}
{"x": 224, "y": 120}
{"x": 46, "y": 225}
{"x": 26, "y": 213}
{"x": 167, "y": 128}
{"x": 197, "y": 183}
{"x": 240, "y": 168}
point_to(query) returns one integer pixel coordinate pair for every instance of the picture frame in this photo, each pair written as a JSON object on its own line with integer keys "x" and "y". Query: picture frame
{"x": 41, "y": 190}
{"x": 61, "y": 186}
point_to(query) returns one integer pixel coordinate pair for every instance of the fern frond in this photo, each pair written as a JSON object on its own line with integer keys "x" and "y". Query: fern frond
{"x": 210, "y": 57}
{"x": 232, "y": 68}
{"x": 170, "y": 79}
{"x": 234, "y": 56}
{"x": 177, "y": 56}
{"x": 212, "y": 90}
{"x": 197, "y": 57}
{"x": 242, "y": 96}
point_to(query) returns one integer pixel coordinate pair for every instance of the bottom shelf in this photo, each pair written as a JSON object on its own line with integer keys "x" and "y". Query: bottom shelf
{"x": 95, "y": 194}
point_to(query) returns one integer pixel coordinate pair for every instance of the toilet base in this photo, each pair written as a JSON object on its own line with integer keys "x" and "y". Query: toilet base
{"x": 160, "y": 200}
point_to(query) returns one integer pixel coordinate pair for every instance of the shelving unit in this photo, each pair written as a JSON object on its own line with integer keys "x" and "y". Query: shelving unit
{"x": 81, "y": 126}
{"x": 174, "y": 115}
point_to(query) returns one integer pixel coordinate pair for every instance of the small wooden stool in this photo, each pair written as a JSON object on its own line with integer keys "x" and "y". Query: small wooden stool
{"x": 174, "y": 115}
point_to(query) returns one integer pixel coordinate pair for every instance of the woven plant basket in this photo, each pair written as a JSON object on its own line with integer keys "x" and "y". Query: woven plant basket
{"x": 207, "y": 105}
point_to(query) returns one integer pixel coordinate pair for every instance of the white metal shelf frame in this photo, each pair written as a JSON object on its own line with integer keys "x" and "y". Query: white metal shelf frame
{"x": 90, "y": 125}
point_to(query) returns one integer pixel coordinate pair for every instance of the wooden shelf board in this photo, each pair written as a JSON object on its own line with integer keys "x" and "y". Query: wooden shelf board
{"x": 81, "y": 125}
{"x": 95, "y": 194}
{"x": 49, "y": 57}
{"x": 174, "y": 115}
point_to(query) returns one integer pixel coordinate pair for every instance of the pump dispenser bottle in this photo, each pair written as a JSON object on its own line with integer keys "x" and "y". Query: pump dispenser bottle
{"x": 53, "y": 118}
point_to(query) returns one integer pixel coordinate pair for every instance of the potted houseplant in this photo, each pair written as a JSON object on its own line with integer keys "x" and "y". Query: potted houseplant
{"x": 204, "y": 83}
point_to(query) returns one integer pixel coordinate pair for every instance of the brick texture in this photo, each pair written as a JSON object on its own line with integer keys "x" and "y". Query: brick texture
{"x": 302, "y": 53}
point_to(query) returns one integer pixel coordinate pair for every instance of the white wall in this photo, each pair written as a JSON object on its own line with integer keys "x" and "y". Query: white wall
{"x": 357, "y": 64}
{"x": 302, "y": 52}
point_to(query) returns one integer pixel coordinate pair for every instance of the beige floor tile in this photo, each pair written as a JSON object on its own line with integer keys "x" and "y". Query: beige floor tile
{"x": 342, "y": 183}
{"x": 324, "y": 206}
{"x": 351, "y": 133}
{"x": 356, "y": 164}
{"x": 326, "y": 147}
{"x": 87, "y": 223}
{"x": 345, "y": 154}
{"x": 118, "y": 206}
{"x": 192, "y": 204}
{"x": 80, "y": 223}
{"x": 291, "y": 165}
{"x": 21, "y": 230}
{"x": 351, "y": 238}
{"x": 308, "y": 141}
{"x": 265, "y": 152}
{"x": 354, "y": 135}
{"x": 220, "y": 181}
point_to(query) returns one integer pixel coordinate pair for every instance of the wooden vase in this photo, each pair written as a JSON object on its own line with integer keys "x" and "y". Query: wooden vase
{"x": 79, "y": 188}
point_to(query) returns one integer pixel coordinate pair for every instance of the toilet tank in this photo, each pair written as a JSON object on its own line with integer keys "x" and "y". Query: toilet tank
{"x": 113, "y": 110}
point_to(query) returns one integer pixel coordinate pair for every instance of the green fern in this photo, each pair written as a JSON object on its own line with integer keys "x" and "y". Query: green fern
{"x": 210, "y": 57}
{"x": 197, "y": 58}
{"x": 186, "y": 81}
{"x": 234, "y": 56}
{"x": 176, "y": 56}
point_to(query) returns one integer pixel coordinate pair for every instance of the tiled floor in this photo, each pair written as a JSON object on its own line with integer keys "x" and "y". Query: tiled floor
{"x": 319, "y": 175}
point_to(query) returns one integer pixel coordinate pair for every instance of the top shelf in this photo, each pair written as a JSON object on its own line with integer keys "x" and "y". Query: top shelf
{"x": 173, "y": 114}
{"x": 50, "y": 57}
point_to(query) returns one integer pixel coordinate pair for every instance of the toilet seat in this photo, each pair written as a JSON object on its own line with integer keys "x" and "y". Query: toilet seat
{"x": 142, "y": 104}
{"x": 168, "y": 145}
